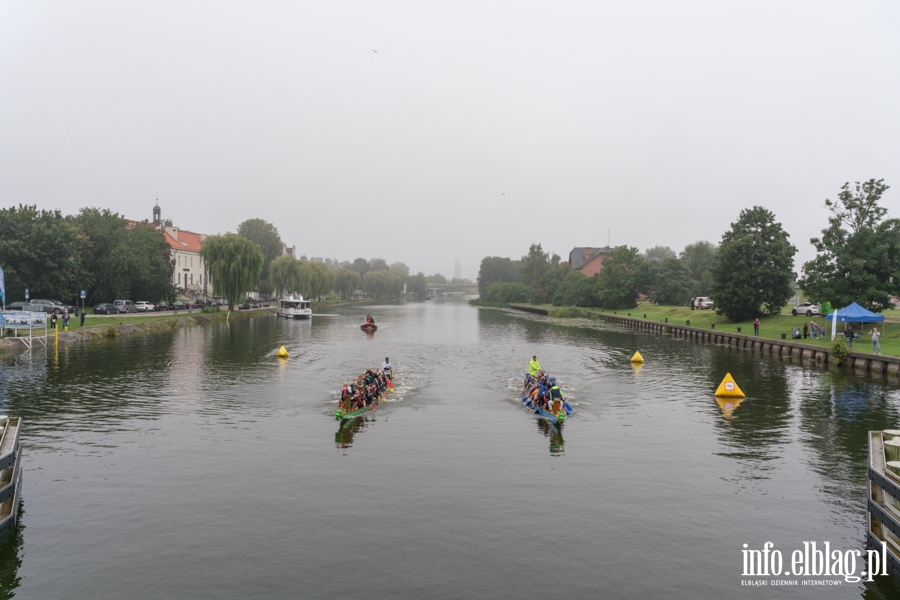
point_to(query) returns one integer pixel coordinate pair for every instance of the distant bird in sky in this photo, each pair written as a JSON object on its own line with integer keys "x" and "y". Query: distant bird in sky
{"x": 374, "y": 50}
{"x": 503, "y": 194}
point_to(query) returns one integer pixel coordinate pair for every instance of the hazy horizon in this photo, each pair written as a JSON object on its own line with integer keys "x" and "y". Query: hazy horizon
{"x": 475, "y": 130}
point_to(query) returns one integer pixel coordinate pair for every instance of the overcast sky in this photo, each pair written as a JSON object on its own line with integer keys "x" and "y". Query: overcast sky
{"x": 476, "y": 129}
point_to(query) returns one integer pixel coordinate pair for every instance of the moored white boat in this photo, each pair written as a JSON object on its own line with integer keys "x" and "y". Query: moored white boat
{"x": 294, "y": 307}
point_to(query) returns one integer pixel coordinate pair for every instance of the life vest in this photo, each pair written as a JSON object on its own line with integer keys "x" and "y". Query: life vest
{"x": 555, "y": 393}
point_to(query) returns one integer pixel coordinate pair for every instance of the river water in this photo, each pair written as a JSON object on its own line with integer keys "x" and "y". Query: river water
{"x": 197, "y": 465}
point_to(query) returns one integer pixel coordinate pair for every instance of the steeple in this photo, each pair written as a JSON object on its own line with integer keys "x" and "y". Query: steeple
{"x": 157, "y": 221}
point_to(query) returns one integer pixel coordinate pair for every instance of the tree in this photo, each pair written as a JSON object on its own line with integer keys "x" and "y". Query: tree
{"x": 495, "y": 269}
{"x": 550, "y": 281}
{"x": 361, "y": 266}
{"x": 753, "y": 271}
{"x": 617, "y": 284}
{"x": 284, "y": 273}
{"x": 233, "y": 264}
{"x": 126, "y": 261}
{"x": 858, "y": 255}
{"x": 437, "y": 278}
{"x": 346, "y": 282}
{"x": 266, "y": 236}
{"x": 670, "y": 282}
{"x": 42, "y": 250}
{"x": 378, "y": 264}
{"x": 417, "y": 285}
{"x": 383, "y": 284}
{"x": 533, "y": 266}
{"x": 399, "y": 267}
{"x": 576, "y": 289}
{"x": 699, "y": 258}
{"x": 658, "y": 253}
{"x": 321, "y": 280}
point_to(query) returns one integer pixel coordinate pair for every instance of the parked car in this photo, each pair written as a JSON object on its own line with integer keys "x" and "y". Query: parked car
{"x": 162, "y": 306}
{"x": 24, "y": 306}
{"x": 51, "y": 306}
{"x": 143, "y": 306}
{"x": 106, "y": 308}
{"x": 807, "y": 308}
{"x": 179, "y": 305}
{"x": 125, "y": 306}
{"x": 704, "y": 303}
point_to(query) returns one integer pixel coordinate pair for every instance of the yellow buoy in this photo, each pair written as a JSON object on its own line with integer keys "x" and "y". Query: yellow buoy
{"x": 637, "y": 358}
{"x": 282, "y": 353}
{"x": 729, "y": 388}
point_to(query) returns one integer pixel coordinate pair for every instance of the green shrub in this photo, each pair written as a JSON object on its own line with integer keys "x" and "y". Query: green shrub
{"x": 110, "y": 332}
{"x": 575, "y": 290}
{"x": 838, "y": 350}
{"x": 507, "y": 292}
{"x": 210, "y": 309}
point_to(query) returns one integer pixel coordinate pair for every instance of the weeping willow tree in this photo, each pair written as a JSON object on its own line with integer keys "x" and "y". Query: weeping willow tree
{"x": 284, "y": 273}
{"x": 233, "y": 264}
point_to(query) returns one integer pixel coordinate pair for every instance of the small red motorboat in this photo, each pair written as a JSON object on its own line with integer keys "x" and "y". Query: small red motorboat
{"x": 368, "y": 327}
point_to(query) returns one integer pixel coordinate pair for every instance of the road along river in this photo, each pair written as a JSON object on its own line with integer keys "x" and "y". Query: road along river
{"x": 194, "y": 464}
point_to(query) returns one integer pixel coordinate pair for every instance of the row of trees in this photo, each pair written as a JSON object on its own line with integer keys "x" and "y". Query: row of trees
{"x": 55, "y": 256}
{"x": 749, "y": 274}
{"x": 540, "y": 277}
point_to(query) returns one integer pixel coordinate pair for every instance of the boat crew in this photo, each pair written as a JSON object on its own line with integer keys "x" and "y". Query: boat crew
{"x": 534, "y": 367}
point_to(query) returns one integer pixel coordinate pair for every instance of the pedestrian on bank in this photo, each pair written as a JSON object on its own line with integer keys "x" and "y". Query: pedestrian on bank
{"x": 692, "y": 303}
{"x": 66, "y": 319}
{"x": 876, "y": 345}
{"x": 848, "y": 333}
{"x": 756, "y": 328}
{"x": 53, "y": 320}
{"x": 815, "y": 330}
{"x": 82, "y": 317}
{"x": 805, "y": 330}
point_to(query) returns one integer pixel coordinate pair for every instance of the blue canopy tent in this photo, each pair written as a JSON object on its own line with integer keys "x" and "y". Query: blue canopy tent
{"x": 854, "y": 313}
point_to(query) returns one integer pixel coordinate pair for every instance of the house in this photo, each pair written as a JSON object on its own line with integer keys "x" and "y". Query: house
{"x": 185, "y": 246}
{"x": 589, "y": 260}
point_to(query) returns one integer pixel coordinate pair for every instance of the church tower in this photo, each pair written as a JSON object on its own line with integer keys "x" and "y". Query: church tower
{"x": 157, "y": 221}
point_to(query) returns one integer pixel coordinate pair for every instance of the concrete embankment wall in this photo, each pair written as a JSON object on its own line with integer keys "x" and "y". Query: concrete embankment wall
{"x": 859, "y": 361}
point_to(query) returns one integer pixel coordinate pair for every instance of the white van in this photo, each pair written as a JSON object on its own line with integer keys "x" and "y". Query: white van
{"x": 704, "y": 303}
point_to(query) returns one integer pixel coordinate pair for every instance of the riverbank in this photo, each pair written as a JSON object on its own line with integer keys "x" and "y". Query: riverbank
{"x": 97, "y": 328}
{"x": 771, "y": 327}
{"x": 862, "y": 362}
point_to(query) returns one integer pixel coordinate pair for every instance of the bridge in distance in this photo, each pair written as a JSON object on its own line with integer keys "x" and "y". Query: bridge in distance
{"x": 451, "y": 289}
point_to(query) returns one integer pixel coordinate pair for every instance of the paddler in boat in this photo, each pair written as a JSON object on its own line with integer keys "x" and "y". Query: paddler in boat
{"x": 386, "y": 367}
{"x": 555, "y": 392}
{"x": 369, "y": 319}
{"x": 534, "y": 367}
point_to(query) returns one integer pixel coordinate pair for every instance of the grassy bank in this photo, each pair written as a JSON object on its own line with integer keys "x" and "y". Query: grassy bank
{"x": 770, "y": 327}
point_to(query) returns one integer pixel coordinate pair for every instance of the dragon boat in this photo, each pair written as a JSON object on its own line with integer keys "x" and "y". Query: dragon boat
{"x": 346, "y": 409}
{"x": 556, "y": 410}
{"x": 556, "y": 415}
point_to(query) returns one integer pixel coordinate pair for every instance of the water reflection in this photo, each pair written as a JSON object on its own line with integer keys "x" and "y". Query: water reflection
{"x": 728, "y": 405}
{"x": 553, "y": 433}
{"x": 11, "y": 543}
{"x": 343, "y": 437}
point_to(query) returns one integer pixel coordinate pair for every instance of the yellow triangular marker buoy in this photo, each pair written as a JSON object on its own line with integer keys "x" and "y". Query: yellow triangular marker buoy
{"x": 282, "y": 353}
{"x": 729, "y": 388}
{"x": 637, "y": 357}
